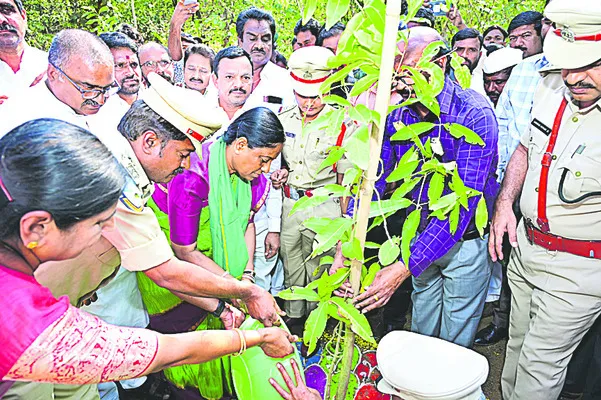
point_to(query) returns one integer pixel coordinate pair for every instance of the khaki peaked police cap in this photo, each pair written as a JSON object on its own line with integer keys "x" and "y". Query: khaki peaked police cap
{"x": 185, "y": 109}
{"x": 576, "y": 40}
{"x": 309, "y": 69}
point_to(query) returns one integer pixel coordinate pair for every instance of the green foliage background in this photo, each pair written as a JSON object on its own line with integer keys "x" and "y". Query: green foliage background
{"x": 216, "y": 19}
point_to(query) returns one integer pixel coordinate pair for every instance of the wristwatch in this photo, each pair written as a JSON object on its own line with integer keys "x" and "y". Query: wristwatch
{"x": 219, "y": 310}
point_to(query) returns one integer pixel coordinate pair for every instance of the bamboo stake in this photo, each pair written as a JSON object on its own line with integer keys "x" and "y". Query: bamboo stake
{"x": 393, "y": 12}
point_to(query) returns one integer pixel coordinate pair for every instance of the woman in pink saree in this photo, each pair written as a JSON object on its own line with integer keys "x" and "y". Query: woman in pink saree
{"x": 58, "y": 190}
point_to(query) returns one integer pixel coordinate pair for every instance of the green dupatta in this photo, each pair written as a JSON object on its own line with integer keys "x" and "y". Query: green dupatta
{"x": 229, "y": 206}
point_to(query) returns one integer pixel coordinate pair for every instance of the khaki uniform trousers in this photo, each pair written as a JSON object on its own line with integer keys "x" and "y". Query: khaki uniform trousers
{"x": 50, "y": 391}
{"x": 296, "y": 244}
{"x": 555, "y": 299}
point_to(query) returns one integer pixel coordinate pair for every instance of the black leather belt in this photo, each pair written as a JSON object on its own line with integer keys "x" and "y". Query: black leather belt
{"x": 474, "y": 234}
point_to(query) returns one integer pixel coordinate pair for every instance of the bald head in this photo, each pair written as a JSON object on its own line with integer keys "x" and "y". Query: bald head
{"x": 69, "y": 44}
{"x": 154, "y": 57}
{"x": 419, "y": 37}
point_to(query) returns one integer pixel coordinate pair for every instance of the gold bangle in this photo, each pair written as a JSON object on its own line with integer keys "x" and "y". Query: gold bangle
{"x": 242, "y": 342}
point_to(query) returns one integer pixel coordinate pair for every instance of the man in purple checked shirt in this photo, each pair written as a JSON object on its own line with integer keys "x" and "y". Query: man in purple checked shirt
{"x": 450, "y": 271}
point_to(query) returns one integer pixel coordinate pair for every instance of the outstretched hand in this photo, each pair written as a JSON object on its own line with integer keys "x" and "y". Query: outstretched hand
{"x": 298, "y": 391}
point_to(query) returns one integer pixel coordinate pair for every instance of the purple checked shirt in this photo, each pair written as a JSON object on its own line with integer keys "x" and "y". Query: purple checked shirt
{"x": 476, "y": 166}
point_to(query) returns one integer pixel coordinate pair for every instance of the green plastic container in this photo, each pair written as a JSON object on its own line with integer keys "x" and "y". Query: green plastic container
{"x": 251, "y": 371}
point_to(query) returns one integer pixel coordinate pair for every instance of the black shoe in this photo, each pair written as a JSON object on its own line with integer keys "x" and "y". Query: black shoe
{"x": 564, "y": 395}
{"x": 490, "y": 335}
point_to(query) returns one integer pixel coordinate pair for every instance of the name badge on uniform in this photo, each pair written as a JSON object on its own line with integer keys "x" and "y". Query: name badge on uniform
{"x": 273, "y": 100}
{"x": 290, "y": 135}
{"x": 131, "y": 197}
{"x": 541, "y": 127}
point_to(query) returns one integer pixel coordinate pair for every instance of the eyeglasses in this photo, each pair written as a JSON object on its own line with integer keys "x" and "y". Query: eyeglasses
{"x": 124, "y": 65}
{"x": 91, "y": 94}
{"x": 154, "y": 64}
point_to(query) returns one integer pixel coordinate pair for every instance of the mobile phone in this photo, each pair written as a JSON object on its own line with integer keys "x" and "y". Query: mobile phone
{"x": 439, "y": 7}
{"x": 187, "y": 2}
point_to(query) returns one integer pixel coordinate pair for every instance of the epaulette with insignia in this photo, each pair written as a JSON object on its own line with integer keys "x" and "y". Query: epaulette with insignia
{"x": 131, "y": 197}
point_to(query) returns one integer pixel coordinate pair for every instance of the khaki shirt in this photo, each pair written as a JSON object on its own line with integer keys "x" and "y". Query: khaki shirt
{"x": 305, "y": 151}
{"x": 136, "y": 241}
{"x": 577, "y": 153}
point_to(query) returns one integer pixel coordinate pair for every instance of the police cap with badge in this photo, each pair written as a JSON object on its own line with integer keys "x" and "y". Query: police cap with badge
{"x": 309, "y": 69}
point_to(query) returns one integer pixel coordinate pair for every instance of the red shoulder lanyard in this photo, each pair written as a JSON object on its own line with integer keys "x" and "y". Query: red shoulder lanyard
{"x": 542, "y": 220}
{"x": 339, "y": 141}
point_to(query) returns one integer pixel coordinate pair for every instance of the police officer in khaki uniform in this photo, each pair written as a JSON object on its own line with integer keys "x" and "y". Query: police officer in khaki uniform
{"x": 304, "y": 151}
{"x": 555, "y": 267}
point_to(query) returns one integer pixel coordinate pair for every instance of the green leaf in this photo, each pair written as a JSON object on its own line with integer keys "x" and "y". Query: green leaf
{"x": 413, "y": 6}
{"x": 328, "y": 236}
{"x": 481, "y": 216}
{"x": 444, "y": 201}
{"x": 407, "y": 164}
{"x": 408, "y": 233}
{"x": 454, "y": 218}
{"x": 347, "y": 38}
{"x": 326, "y": 260}
{"x": 429, "y": 53}
{"x": 462, "y": 73}
{"x": 298, "y": 293}
{"x": 357, "y": 147}
{"x": 334, "y": 313}
{"x": 335, "y": 10}
{"x": 375, "y": 13}
{"x": 409, "y": 131}
{"x": 359, "y": 323}
{"x": 315, "y": 325}
{"x": 372, "y": 245}
{"x": 371, "y": 274}
{"x": 351, "y": 176}
{"x": 436, "y": 187}
{"x": 352, "y": 250}
{"x": 363, "y": 114}
{"x": 384, "y": 207}
{"x": 309, "y": 10}
{"x": 333, "y": 157}
{"x": 320, "y": 123}
{"x": 363, "y": 84}
{"x": 338, "y": 75}
{"x": 308, "y": 202}
{"x": 335, "y": 99}
{"x": 337, "y": 190}
{"x": 389, "y": 252}
{"x": 405, "y": 188}
{"x": 459, "y": 131}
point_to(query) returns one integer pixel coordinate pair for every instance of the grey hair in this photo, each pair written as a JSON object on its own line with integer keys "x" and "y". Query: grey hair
{"x": 70, "y": 42}
{"x": 150, "y": 45}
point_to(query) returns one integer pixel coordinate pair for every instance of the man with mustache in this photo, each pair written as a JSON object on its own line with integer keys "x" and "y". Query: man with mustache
{"x": 154, "y": 57}
{"x": 128, "y": 76}
{"x": 468, "y": 44}
{"x": 270, "y": 86}
{"x": 554, "y": 266}
{"x": 198, "y": 66}
{"x": 513, "y": 115}
{"x": 21, "y": 66}
{"x": 233, "y": 76}
{"x": 161, "y": 131}
{"x": 526, "y": 33}
{"x": 497, "y": 69}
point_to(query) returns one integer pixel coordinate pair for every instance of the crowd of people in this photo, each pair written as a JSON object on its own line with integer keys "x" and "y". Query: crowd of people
{"x": 146, "y": 195}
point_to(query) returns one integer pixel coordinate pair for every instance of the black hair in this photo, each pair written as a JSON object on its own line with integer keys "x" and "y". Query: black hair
{"x": 425, "y": 13}
{"x": 52, "y": 165}
{"x": 231, "y": 53}
{"x": 312, "y": 26}
{"x": 131, "y": 33}
{"x": 491, "y": 48}
{"x": 118, "y": 40}
{"x": 294, "y": 41}
{"x": 527, "y": 18}
{"x": 20, "y": 7}
{"x": 201, "y": 50}
{"x": 141, "y": 118}
{"x": 336, "y": 29}
{"x": 259, "y": 125}
{"x": 256, "y": 14}
{"x": 495, "y": 27}
{"x": 467, "y": 33}
{"x": 186, "y": 37}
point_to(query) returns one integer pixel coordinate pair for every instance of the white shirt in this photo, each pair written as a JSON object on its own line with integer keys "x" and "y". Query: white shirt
{"x": 34, "y": 63}
{"x": 274, "y": 91}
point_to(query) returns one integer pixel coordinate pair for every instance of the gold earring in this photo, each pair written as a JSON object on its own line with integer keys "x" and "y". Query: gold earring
{"x": 32, "y": 245}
